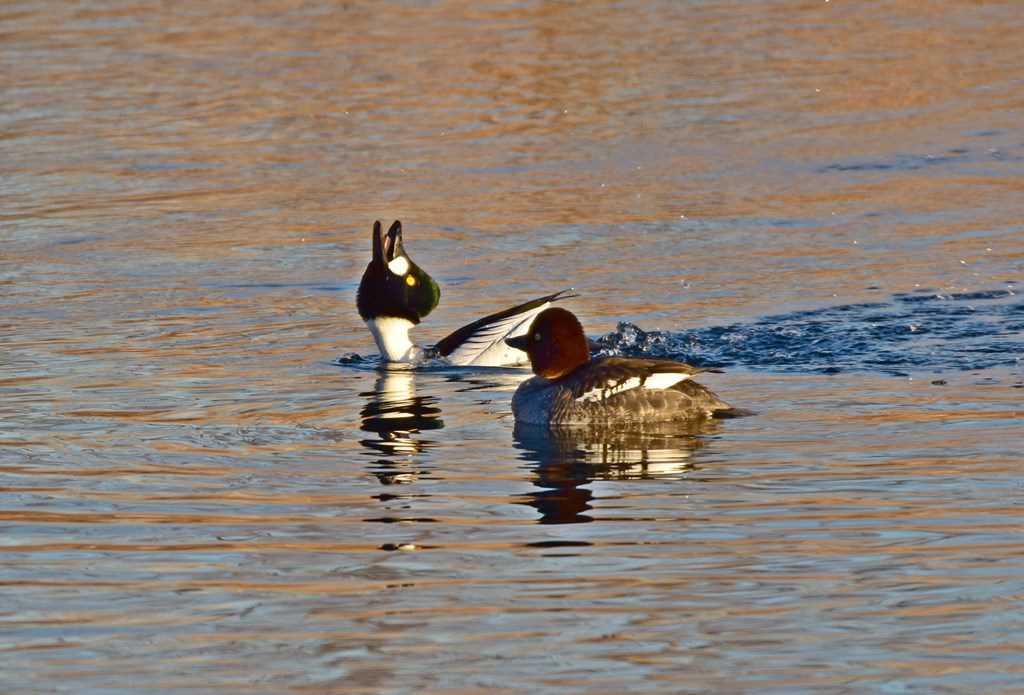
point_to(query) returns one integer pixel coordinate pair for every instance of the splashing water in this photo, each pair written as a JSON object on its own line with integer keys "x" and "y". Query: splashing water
{"x": 922, "y": 331}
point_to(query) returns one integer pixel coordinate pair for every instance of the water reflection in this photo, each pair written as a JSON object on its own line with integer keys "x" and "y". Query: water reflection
{"x": 567, "y": 459}
{"x": 397, "y": 415}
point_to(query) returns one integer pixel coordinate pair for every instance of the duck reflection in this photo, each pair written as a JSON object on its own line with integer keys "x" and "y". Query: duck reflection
{"x": 567, "y": 459}
{"x": 397, "y": 415}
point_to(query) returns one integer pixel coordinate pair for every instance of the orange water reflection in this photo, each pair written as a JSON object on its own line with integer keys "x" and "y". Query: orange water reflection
{"x": 195, "y": 494}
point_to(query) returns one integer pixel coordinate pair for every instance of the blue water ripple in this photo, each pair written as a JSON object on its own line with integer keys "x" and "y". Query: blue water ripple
{"x": 925, "y": 331}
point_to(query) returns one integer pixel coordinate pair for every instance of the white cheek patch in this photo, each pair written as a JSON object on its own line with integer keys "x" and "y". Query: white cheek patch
{"x": 399, "y": 266}
{"x": 664, "y": 380}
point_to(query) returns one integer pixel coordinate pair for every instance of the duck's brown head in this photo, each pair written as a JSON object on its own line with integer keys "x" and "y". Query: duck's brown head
{"x": 555, "y": 343}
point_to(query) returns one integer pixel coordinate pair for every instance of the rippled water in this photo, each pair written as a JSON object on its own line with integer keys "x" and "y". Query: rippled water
{"x": 203, "y": 489}
{"x": 921, "y": 332}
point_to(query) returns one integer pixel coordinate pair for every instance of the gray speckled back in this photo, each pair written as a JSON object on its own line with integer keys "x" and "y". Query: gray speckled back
{"x": 540, "y": 401}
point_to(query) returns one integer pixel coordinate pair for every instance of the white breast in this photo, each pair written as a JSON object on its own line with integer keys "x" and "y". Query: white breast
{"x": 532, "y": 401}
{"x": 392, "y": 337}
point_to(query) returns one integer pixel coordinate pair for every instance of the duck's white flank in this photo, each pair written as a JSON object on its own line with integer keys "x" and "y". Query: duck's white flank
{"x": 664, "y": 380}
{"x": 659, "y": 380}
{"x": 392, "y": 337}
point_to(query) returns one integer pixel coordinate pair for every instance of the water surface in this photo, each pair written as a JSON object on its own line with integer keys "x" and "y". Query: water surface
{"x": 824, "y": 198}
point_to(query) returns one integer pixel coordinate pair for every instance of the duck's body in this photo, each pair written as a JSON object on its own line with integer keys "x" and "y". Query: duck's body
{"x": 395, "y": 294}
{"x": 616, "y": 389}
{"x": 571, "y": 389}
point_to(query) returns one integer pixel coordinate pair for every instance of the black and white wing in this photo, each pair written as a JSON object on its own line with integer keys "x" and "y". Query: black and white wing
{"x": 621, "y": 389}
{"x": 617, "y": 375}
{"x": 482, "y": 343}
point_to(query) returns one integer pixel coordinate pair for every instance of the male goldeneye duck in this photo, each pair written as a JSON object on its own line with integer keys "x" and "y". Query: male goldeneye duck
{"x": 571, "y": 389}
{"x": 395, "y": 294}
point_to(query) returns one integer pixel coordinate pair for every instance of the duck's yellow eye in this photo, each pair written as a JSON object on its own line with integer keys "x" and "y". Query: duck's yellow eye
{"x": 410, "y": 280}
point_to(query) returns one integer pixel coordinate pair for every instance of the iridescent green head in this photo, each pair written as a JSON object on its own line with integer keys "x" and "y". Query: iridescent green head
{"x": 392, "y": 285}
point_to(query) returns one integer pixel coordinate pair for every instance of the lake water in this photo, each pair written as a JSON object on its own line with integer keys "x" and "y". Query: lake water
{"x": 207, "y": 485}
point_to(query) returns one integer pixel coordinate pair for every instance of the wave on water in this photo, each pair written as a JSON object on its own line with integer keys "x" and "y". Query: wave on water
{"x": 920, "y": 331}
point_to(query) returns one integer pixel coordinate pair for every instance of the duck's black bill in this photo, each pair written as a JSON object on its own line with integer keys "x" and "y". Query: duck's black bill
{"x": 519, "y": 342}
{"x": 378, "y": 242}
{"x": 393, "y": 242}
{"x": 387, "y": 245}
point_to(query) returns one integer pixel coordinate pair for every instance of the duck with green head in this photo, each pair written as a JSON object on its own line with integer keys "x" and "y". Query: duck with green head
{"x": 395, "y": 294}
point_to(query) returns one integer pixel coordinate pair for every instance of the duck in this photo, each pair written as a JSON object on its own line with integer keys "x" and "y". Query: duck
{"x": 395, "y": 295}
{"x": 570, "y": 388}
